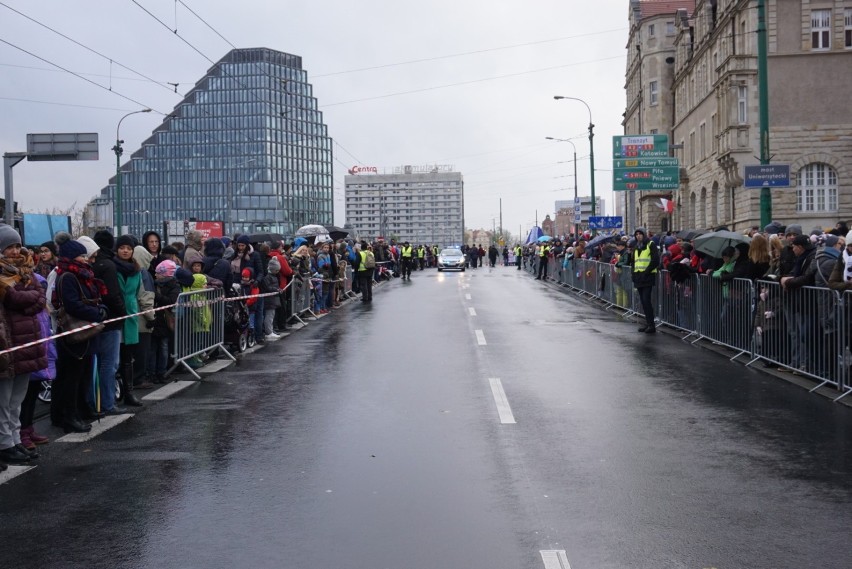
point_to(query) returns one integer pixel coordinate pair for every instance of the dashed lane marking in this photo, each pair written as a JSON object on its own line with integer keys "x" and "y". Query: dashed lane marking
{"x": 480, "y": 338}
{"x": 503, "y": 408}
{"x": 555, "y": 559}
{"x": 12, "y": 472}
{"x": 472, "y": 311}
{"x": 168, "y": 390}
{"x": 467, "y": 297}
{"x": 98, "y": 427}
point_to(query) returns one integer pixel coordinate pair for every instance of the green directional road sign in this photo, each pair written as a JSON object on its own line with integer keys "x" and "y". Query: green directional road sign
{"x": 640, "y": 146}
{"x": 633, "y": 163}
{"x": 638, "y": 178}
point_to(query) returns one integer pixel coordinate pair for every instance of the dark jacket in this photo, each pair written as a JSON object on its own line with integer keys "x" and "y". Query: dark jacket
{"x": 269, "y": 283}
{"x": 824, "y": 263}
{"x": 786, "y": 262}
{"x": 804, "y": 270}
{"x": 104, "y": 269}
{"x": 158, "y": 257}
{"x": 166, "y": 294}
{"x": 836, "y": 279}
{"x": 216, "y": 266}
{"x": 22, "y": 305}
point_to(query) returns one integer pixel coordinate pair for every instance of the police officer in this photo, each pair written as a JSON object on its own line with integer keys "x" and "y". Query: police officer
{"x": 421, "y": 257}
{"x": 407, "y": 254}
{"x": 542, "y": 261}
{"x": 645, "y": 260}
{"x": 519, "y": 255}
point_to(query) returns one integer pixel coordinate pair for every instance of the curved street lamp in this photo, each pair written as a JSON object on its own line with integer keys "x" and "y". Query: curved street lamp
{"x": 576, "y": 221}
{"x": 118, "y": 152}
{"x": 591, "y": 147}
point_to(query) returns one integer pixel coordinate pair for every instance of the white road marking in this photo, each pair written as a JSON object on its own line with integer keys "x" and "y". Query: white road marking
{"x": 98, "y": 427}
{"x": 213, "y": 367}
{"x": 168, "y": 390}
{"x": 472, "y": 311}
{"x": 467, "y": 297}
{"x": 555, "y": 559}
{"x": 12, "y": 472}
{"x": 480, "y": 338}
{"x": 503, "y": 408}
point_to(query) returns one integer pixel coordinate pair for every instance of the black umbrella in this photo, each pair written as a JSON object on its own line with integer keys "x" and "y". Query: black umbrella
{"x": 600, "y": 240}
{"x": 689, "y": 234}
{"x": 265, "y": 237}
{"x": 336, "y": 232}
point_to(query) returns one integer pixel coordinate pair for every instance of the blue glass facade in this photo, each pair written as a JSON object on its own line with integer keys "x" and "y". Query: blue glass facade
{"x": 246, "y": 146}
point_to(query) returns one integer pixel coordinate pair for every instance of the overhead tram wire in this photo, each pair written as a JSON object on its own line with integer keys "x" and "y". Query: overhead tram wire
{"x": 87, "y": 48}
{"x": 64, "y": 104}
{"x": 462, "y": 54}
{"x": 472, "y": 81}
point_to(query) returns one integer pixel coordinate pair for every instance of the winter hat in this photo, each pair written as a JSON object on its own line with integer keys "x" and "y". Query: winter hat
{"x": 794, "y": 229}
{"x": 182, "y": 276}
{"x": 142, "y": 256}
{"x": 640, "y": 230}
{"x": 849, "y": 238}
{"x": 104, "y": 239}
{"x": 298, "y": 242}
{"x": 126, "y": 240}
{"x": 801, "y": 240}
{"x": 226, "y": 241}
{"x": 69, "y": 248}
{"x": 772, "y": 228}
{"x": 49, "y": 245}
{"x": 247, "y": 274}
{"x": 89, "y": 244}
{"x": 169, "y": 250}
{"x": 166, "y": 268}
{"x": 274, "y": 266}
{"x": 816, "y": 231}
{"x": 244, "y": 239}
{"x": 675, "y": 250}
{"x": 8, "y": 236}
{"x": 831, "y": 240}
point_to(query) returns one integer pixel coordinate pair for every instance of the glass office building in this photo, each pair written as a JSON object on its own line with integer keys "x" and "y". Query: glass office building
{"x": 246, "y": 146}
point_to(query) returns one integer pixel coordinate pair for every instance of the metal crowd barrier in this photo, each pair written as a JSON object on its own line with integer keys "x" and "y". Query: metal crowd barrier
{"x": 199, "y": 326}
{"x": 808, "y": 331}
{"x": 300, "y": 298}
{"x": 347, "y": 281}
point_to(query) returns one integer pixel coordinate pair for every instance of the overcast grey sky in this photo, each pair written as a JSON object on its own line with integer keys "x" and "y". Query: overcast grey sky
{"x": 487, "y": 113}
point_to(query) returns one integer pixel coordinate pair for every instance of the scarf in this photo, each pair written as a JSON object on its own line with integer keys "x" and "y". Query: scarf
{"x": 15, "y": 271}
{"x": 83, "y": 272}
{"x": 847, "y": 260}
{"x": 126, "y": 268}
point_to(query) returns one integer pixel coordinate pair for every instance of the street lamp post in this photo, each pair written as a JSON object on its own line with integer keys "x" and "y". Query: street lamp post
{"x": 591, "y": 147}
{"x": 118, "y": 152}
{"x": 576, "y": 221}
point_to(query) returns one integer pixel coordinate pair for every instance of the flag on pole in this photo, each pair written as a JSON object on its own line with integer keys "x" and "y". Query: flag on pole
{"x": 667, "y": 205}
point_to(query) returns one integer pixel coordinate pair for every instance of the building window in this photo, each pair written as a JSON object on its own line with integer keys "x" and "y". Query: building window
{"x": 742, "y": 104}
{"x": 821, "y": 29}
{"x": 654, "y": 93}
{"x": 702, "y": 136}
{"x": 692, "y": 148}
{"x": 817, "y": 189}
{"x": 847, "y": 27}
{"x": 651, "y": 30}
{"x": 670, "y": 29}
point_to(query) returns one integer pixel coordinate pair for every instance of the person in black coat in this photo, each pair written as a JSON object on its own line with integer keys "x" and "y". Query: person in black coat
{"x": 215, "y": 264}
{"x": 153, "y": 243}
{"x": 109, "y": 341}
{"x": 645, "y": 275}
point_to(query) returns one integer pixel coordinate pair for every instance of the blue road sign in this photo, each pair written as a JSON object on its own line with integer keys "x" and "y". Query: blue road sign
{"x": 767, "y": 176}
{"x": 606, "y": 222}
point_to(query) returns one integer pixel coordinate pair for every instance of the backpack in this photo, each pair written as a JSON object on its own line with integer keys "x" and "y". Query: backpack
{"x": 370, "y": 260}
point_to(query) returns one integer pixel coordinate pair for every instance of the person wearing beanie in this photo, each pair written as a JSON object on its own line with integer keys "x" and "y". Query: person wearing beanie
{"x": 21, "y": 299}
{"x": 645, "y": 261}
{"x": 46, "y": 255}
{"x": 183, "y": 277}
{"x": 109, "y": 341}
{"x": 793, "y": 229}
{"x": 169, "y": 253}
{"x": 90, "y": 245}
{"x": 825, "y": 259}
{"x": 270, "y": 285}
{"x": 216, "y": 266}
{"x": 167, "y": 290}
{"x": 132, "y": 290}
{"x": 245, "y": 257}
{"x": 105, "y": 240}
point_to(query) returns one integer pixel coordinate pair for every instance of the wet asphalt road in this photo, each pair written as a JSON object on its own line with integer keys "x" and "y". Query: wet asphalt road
{"x": 372, "y": 439}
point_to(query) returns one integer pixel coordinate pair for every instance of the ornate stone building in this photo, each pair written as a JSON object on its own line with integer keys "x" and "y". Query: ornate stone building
{"x": 715, "y": 108}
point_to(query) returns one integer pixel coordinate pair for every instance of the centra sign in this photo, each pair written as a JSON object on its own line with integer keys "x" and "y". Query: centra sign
{"x": 363, "y": 170}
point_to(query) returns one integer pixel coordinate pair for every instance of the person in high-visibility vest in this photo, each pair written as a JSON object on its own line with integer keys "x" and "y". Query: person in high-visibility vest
{"x": 645, "y": 261}
{"x": 421, "y": 257}
{"x": 542, "y": 261}
{"x": 406, "y": 253}
{"x": 519, "y": 255}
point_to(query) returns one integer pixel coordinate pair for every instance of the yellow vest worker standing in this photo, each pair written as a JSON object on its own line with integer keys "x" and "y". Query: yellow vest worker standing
{"x": 646, "y": 259}
{"x": 542, "y": 261}
{"x": 407, "y": 254}
{"x": 519, "y": 254}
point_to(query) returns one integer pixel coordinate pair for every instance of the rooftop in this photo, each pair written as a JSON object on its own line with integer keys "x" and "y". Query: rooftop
{"x": 651, "y": 8}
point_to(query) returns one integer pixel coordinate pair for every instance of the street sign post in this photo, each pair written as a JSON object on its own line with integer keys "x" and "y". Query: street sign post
{"x": 642, "y": 162}
{"x": 767, "y": 176}
{"x": 662, "y": 178}
{"x": 606, "y": 222}
{"x": 640, "y": 146}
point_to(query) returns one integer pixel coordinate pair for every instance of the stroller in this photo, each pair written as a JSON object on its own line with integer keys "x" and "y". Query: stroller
{"x": 237, "y": 331}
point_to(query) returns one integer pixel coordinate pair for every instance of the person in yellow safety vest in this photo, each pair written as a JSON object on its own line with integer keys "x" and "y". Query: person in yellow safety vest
{"x": 519, "y": 254}
{"x": 421, "y": 256}
{"x": 645, "y": 261}
{"x": 542, "y": 261}
{"x": 434, "y": 255}
{"x": 406, "y": 252}
{"x": 364, "y": 272}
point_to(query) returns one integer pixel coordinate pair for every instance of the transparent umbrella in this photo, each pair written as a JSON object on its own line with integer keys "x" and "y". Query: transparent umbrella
{"x": 311, "y": 231}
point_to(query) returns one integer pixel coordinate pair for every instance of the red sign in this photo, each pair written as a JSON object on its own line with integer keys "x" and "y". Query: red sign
{"x": 209, "y": 229}
{"x": 363, "y": 170}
